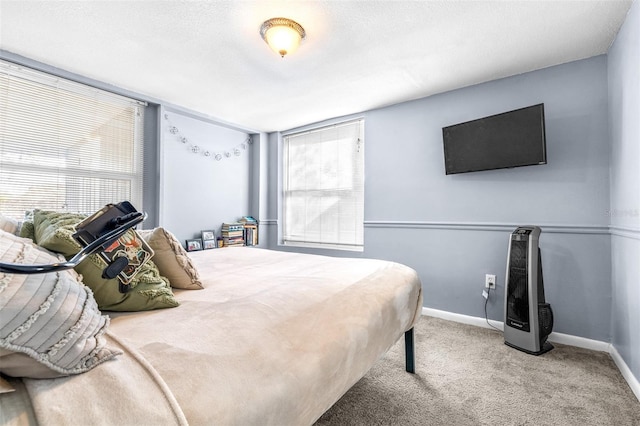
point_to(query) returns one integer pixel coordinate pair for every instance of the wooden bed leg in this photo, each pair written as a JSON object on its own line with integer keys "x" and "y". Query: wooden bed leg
{"x": 410, "y": 351}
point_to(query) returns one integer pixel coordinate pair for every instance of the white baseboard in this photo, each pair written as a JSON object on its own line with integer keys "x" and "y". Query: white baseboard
{"x": 565, "y": 339}
{"x": 633, "y": 382}
{"x": 580, "y": 342}
{"x": 464, "y": 319}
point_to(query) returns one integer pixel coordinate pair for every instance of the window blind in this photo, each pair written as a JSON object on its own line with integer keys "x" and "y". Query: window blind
{"x": 65, "y": 145}
{"x": 323, "y": 201}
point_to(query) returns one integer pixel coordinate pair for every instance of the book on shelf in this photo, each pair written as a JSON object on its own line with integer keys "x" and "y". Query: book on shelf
{"x": 242, "y": 232}
{"x": 230, "y": 227}
{"x": 232, "y": 234}
{"x": 251, "y": 235}
{"x": 248, "y": 219}
{"x": 250, "y": 230}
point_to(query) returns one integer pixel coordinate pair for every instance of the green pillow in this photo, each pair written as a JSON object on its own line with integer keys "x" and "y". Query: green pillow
{"x": 51, "y": 229}
{"x": 148, "y": 290}
{"x": 27, "y": 231}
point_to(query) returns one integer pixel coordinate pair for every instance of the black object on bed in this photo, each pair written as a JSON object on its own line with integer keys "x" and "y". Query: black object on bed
{"x": 96, "y": 235}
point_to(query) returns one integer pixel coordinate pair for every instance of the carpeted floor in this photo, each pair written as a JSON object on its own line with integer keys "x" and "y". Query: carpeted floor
{"x": 466, "y": 375}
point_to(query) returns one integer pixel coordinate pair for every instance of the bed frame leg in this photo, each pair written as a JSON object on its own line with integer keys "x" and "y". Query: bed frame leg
{"x": 410, "y": 351}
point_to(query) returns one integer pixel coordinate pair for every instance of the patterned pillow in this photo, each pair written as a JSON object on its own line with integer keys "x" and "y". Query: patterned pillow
{"x": 172, "y": 259}
{"x": 27, "y": 231}
{"x": 50, "y": 324}
{"x": 149, "y": 290}
{"x": 26, "y": 228}
{"x": 49, "y": 230}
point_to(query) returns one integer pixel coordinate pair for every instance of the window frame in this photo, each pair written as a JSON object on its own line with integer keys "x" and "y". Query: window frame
{"x": 357, "y": 243}
{"x": 93, "y": 177}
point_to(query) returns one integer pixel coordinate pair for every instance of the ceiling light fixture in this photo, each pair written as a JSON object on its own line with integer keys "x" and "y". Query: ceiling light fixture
{"x": 282, "y": 35}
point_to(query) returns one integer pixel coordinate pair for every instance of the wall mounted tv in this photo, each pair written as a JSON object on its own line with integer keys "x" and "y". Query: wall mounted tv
{"x": 511, "y": 139}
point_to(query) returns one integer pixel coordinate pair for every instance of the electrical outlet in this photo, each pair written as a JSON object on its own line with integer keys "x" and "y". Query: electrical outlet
{"x": 490, "y": 281}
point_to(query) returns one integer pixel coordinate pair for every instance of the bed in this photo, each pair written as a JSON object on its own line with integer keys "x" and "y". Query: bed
{"x": 272, "y": 338}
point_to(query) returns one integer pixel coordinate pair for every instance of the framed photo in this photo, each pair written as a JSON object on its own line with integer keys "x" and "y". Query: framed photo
{"x": 208, "y": 235}
{"x": 194, "y": 245}
{"x": 208, "y": 244}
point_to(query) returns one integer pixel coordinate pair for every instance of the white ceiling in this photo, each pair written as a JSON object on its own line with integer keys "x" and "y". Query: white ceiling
{"x": 207, "y": 56}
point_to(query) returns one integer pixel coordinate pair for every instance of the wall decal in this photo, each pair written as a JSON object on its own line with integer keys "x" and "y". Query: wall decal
{"x": 236, "y": 151}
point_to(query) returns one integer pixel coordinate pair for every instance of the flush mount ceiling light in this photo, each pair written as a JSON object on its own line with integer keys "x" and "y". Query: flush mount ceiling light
{"x": 282, "y": 35}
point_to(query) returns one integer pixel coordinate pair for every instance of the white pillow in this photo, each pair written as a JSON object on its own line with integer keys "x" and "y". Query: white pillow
{"x": 50, "y": 324}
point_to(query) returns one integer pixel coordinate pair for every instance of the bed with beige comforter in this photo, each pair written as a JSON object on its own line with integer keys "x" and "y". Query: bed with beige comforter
{"x": 273, "y": 338}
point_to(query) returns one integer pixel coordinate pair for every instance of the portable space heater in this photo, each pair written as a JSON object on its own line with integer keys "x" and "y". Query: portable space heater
{"x": 528, "y": 318}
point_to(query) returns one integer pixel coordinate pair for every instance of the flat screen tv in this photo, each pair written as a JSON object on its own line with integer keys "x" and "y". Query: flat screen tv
{"x": 511, "y": 139}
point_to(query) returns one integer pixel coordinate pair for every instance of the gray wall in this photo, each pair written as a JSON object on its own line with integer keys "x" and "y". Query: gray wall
{"x": 151, "y": 172}
{"x": 197, "y": 192}
{"x": 454, "y": 229}
{"x": 624, "y": 124}
{"x": 259, "y": 177}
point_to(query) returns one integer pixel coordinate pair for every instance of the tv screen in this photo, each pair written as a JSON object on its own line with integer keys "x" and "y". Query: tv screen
{"x": 511, "y": 139}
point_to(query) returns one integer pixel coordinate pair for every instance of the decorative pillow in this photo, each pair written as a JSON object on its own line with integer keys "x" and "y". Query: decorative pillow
{"x": 51, "y": 229}
{"x": 8, "y": 225}
{"x": 172, "y": 259}
{"x": 27, "y": 231}
{"x": 148, "y": 290}
{"x": 50, "y": 324}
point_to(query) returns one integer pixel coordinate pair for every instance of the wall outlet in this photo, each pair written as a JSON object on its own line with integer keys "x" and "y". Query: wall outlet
{"x": 489, "y": 281}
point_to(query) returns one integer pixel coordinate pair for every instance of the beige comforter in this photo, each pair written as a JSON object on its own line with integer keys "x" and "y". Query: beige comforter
{"x": 274, "y": 338}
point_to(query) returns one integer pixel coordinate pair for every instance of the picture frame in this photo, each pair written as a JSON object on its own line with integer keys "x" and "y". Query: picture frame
{"x": 194, "y": 244}
{"x": 208, "y": 240}
{"x": 208, "y": 235}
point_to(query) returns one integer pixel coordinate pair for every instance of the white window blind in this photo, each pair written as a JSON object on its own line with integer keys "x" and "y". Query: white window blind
{"x": 65, "y": 145}
{"x": 323, "y": 202}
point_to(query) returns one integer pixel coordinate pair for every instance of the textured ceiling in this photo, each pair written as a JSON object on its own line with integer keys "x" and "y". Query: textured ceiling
{"x": 207, "y": 56}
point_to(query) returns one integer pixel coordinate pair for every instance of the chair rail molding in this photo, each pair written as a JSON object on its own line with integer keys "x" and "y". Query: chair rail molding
{"x": 625, "y": 231}
{"x": 560, "y": 228}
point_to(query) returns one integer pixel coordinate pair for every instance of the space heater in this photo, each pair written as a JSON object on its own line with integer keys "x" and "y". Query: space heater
{"x": 528, "y": 318}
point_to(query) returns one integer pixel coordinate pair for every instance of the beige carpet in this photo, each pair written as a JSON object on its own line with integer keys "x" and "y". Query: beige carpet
{"x": 466, "y": 375}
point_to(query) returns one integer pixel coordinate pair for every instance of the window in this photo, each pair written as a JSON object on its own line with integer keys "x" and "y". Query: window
{"x": 323, "y": 202}
{"x": 65, "y": 145}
